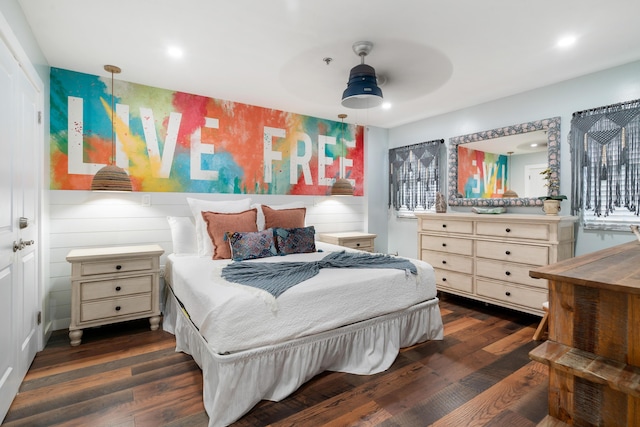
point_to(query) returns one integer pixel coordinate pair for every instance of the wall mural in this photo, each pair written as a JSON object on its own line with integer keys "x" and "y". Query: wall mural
{"x": 481, "y": 174}
{"x": 177, "y": 142}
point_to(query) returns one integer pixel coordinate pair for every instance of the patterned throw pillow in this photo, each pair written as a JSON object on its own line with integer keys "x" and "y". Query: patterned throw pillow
{"x": 251, "y": 245}
{"x": 295, "y": 240}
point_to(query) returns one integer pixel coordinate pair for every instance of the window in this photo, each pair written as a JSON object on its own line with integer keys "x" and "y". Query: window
{"x": 605, "y": 154}
{"x": 414, "y": 177}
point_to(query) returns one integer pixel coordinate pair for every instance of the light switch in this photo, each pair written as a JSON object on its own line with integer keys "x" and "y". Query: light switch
{"x": 146, "y": 200}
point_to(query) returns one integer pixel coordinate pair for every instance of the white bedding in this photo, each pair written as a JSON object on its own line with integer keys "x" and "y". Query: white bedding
{"x": 220, "y": 309}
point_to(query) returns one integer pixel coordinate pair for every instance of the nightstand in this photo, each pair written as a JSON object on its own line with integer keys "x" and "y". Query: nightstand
{"x": 116, "y": 284}
{"x": 350, "y": 239}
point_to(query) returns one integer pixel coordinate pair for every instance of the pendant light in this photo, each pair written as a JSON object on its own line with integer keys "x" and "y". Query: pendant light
{"x": 509, "y": 194}
{"x": 342, "y": 186}
{"x": 111, "y": 177}
{"x": 362, "y": 89}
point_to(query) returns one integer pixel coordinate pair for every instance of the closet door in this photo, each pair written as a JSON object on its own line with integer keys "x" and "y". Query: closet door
{"x": 20, "y": 173}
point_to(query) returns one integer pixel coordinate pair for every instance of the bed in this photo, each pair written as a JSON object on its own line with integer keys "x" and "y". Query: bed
{"x": 253, "y": 346}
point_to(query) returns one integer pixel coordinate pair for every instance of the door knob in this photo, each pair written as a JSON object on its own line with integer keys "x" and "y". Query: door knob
{"x": 21, "y": 244}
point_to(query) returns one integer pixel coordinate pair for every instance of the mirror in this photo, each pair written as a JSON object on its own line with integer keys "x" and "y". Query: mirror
{"x": 499, "y": 143}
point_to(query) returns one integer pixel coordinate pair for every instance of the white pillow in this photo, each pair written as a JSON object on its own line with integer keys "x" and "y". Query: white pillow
{"x": 183, "y": 235}
{"x": 205, "y": 245}
{"x": 260, "y": 221}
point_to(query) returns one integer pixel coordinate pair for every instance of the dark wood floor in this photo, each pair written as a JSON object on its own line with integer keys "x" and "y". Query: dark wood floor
{"x": 126, "y": 375}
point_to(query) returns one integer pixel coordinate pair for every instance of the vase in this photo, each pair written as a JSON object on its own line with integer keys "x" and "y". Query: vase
{"x": 551, "y": 207}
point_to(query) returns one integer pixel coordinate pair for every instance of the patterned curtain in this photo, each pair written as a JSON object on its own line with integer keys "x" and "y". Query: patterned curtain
{"x": 414, "y": 175}
{"x": 605, "y": 154}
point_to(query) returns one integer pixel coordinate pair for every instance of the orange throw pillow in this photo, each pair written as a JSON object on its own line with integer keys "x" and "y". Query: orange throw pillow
{"x": 220, "y": 223}
{"x": 283, "y": 218}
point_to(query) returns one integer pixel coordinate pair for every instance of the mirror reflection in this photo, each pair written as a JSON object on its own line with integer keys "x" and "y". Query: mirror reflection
{"x": 501, "y": 167}
{"x": 509, "y": 166}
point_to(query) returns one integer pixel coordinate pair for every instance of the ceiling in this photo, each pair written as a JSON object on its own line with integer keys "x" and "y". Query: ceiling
{"x": 435, "y": 56}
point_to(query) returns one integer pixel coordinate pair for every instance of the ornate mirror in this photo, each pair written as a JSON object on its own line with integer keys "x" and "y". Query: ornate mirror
{"x": 512, "y": 160}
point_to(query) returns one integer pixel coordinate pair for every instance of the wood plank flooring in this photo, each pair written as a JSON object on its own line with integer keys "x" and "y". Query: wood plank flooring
{"x": 128, "y": 376}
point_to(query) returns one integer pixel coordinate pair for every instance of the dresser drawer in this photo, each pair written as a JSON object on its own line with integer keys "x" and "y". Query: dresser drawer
{"x": 447, "y": 226}
{"x": 513, "y": 252}
{"x": 447, "y": 244}
{"x": 451, "y": 280}
{"x": 116, "y": 266}
{"x": 509, "y": 272}
{"x": 115, "y": 287}
{"x": 513, "y": 294}
{"x": 115, "y": 307}
{"x": 452, "y": 262}
{"x": 516, "y": 230}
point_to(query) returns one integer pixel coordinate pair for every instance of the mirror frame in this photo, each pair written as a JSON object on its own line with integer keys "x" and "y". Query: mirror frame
{"x": 550, "y": 125}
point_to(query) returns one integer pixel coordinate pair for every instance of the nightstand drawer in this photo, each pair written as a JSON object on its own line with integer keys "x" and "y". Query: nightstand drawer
{"x": 362, "y": 244}
{"x": 112, "y": 308}
{"x": 115, "y": 266}
{"x": 115, "y": 287}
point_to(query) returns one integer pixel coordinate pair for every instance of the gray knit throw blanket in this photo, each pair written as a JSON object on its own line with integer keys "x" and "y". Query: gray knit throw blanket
{"x": 276, "y": 278}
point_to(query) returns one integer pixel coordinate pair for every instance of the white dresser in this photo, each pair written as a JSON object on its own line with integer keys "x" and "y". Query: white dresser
{"x": 488, "y": 257}
{"x": 113, "y": 284}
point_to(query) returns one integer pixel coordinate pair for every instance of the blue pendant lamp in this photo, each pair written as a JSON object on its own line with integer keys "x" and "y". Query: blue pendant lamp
{"x": 362, "y": 89}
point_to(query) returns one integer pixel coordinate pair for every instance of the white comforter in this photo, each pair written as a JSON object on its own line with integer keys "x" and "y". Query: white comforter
{"x": 233, "y": 317}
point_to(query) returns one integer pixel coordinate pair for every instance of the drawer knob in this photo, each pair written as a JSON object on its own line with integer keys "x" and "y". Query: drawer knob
{"x": 508, "y": 293}
{"x": 444, "y": 225}
{"x": 444, "y": 279}
{"x": 508, "y": 252}
{"x": 507, "y": 230}
{"x": 357, "y": 244}
{"x": 508, "y": 273}
{"x": 444, "y": 262}
{"x": 118, "y": 288}
{"x": 118, "y": 267}
{"x": 444, "y": 245}
{"x": 117, "y": 308}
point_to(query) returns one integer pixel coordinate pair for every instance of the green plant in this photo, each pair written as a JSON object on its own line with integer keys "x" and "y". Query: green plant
{"x": 552, "y": 185}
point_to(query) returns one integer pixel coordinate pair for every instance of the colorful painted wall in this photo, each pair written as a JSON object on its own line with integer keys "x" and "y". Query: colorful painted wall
{"x": 481, "y": 174}
{"x": 177, "y": 142}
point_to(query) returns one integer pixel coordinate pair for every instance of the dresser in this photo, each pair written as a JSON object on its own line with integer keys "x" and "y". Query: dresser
{"x": 593, "y": 351}
{"x": 113, "y": 284}
{"x": 350, "y": 239}
{"x": 488, "y": 257}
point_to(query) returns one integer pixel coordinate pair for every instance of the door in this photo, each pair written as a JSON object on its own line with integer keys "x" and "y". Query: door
{"x": 534, "y": 184}
{"x": 20, "y": 333}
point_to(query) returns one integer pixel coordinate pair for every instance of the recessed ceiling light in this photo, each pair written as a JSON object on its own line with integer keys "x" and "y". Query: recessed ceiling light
{"x": 566, "y": 41}
{"x": 386, "y": 105}
{"x": 174, "y": 52}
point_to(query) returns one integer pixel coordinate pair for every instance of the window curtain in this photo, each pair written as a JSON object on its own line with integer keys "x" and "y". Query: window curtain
{"x": 414, "y": 176}
{"x": 605, "y": 176}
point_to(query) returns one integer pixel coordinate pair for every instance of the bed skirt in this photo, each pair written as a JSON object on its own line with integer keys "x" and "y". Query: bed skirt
{"x": 234, "y": 383}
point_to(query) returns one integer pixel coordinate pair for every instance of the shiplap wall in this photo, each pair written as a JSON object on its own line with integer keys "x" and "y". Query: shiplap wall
{"x": 83, "y": 219}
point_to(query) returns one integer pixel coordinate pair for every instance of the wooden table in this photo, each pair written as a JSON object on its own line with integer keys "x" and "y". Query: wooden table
{"x": 593, "y": 351}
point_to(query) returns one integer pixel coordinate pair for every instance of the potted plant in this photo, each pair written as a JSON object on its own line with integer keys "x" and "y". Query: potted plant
{"x": 551, "y": 204}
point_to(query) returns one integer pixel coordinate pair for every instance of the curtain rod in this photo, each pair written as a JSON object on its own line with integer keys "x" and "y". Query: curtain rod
{"x": 441, "y": 141}
{"x": 619, "y": 104}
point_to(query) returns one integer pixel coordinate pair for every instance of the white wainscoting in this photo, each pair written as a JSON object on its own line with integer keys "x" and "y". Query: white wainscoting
{"x": 82, "y": 219}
